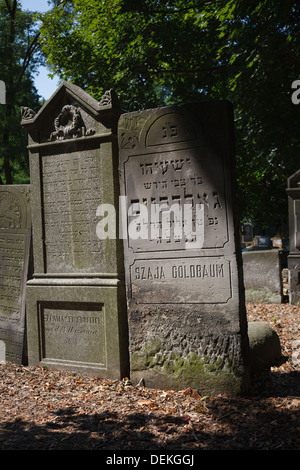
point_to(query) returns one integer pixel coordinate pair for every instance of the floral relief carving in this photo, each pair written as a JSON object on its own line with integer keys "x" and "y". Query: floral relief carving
{"x": 69, "y": 124}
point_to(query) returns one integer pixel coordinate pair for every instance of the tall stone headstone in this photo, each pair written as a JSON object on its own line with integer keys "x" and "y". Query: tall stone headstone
{"x": 15, "y": 266}
{"x": 293, "y": 191}
{"x": 76, "y": 305}
{"x": 186, "y": 304}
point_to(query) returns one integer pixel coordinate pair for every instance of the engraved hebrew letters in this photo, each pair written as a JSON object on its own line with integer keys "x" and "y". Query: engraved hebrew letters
{"x": 15, "y": 227}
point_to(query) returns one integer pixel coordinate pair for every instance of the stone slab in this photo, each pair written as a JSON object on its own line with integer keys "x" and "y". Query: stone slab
{"x": 263, "y": 276}
{"x": 76, "y": 300}
{"x": 15, "y": 266}
{"x": 78, "y": 327}
{"x": 187, "y": 321}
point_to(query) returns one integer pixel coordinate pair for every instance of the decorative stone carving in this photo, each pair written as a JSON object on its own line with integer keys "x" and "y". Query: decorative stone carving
{"x": 108, "y": 99}
{"x": 69, "y": 124}
{"x": 27, "y": 113}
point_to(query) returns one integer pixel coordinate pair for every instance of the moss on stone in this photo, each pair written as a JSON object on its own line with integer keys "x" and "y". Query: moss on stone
{"x": 202, "y": 373}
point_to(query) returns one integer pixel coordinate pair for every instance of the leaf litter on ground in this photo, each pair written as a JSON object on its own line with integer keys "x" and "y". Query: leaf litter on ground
{"x": 47, "y": 409}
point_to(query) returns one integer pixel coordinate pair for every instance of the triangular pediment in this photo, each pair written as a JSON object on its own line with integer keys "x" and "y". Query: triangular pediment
{"x": 70, "y": 112}
{"x": 294, "y": 180}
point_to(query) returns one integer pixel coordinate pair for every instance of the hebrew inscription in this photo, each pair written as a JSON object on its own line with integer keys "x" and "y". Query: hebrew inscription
{"x": 177, "y": 210}
{"x": 70, "y": 197}
{"x": 14, "y": 258}
{"x": 177, "y": 182}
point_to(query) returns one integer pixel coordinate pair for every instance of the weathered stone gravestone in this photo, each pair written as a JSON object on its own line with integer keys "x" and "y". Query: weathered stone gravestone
{"x": 293, "y": 191}
{"x": 247, "y": 233}
{"x": 15, "y": 239}
{"x": 186, "y": 306}
{"x": 76, "y": 304}
{"x": 263, "y": 276}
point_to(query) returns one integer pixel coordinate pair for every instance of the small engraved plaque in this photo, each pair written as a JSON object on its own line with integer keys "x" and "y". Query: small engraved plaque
{"x": 73, "y": 332}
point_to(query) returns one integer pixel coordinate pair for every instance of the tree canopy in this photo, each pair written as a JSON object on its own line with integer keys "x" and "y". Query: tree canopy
{"x": 156, "y": 53}
{"x": 19, "y": 57}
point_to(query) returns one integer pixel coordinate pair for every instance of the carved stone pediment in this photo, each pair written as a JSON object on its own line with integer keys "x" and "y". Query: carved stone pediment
{"x": 70, "y": 113}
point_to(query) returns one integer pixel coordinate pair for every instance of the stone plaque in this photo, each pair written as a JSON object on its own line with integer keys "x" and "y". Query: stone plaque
{"x": 68, "y": 326}
{"x": 175, "y": 280}
{"x": 15, "y": 239}
{"x": 182, "y": 249}
{"x": 76, "y": 300}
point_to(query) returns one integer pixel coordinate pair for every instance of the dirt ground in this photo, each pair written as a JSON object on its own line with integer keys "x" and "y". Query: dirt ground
{"x": 43, "y": 409}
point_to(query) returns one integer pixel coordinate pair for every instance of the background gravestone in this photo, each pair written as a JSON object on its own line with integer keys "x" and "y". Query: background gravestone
{"x": 293, "y": 191}
{"x": 263, "y": 275}
{"x": 247, "y": 233}
{"x": 186, "y": 305}
{"x": 76, "y": 303}
{"x": 15, "y": 239}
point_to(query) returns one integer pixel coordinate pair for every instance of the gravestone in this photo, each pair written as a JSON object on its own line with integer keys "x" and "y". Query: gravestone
{"x": 15, "y": 240}
{"x": 263, "y": 276}
{"x": 76, "y": 304}
{"x": 247, "y": 233}
{"x": 186, "y": 305}
{"x": 293, "y": 191}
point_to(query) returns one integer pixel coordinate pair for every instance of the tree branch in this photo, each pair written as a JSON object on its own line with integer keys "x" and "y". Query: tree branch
{"x": 28, "y": 55}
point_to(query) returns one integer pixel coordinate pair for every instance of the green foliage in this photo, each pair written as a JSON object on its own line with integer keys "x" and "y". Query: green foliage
{"x": 155, "y": 53}
{"x": 18, "y": 60}
{"x": 149, "y": 53}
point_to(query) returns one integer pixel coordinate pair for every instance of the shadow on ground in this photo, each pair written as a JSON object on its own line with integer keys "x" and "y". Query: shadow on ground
{"x": 267, "y": 419}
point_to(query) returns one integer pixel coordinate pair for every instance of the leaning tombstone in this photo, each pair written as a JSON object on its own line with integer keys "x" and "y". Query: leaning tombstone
{"x": 76, "y": 304}
{"x": 186, "y": 300}
{"x": 15, "y": 266}
{"x": 293, "y": 191}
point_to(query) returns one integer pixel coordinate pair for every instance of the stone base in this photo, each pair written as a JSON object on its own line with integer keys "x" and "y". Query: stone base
{"x": 78, "y": 325}
{"x": 264, "y": 344}
{"x": 192, "y": 373}
{"x": 165, "y": 368}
